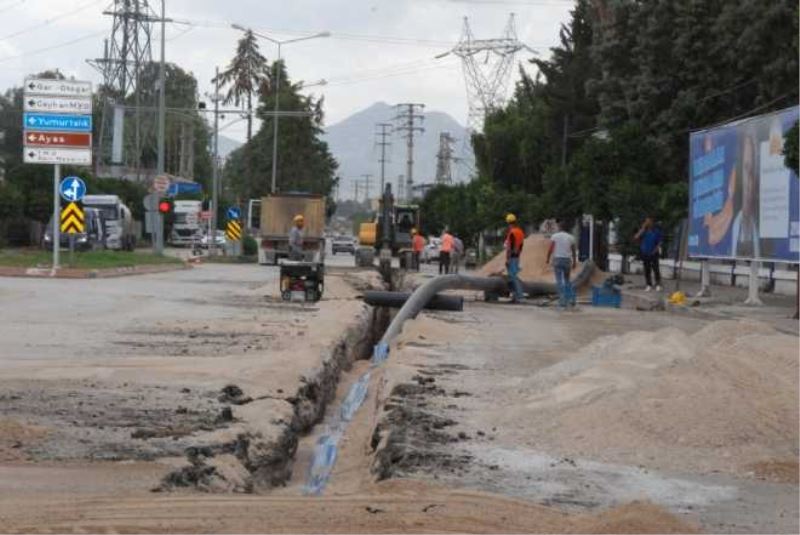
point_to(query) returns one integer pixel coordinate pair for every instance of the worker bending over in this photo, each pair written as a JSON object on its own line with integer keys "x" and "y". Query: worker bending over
{"x": 562, "y": 251}
{"x": 296, "y": 239}
{"x": 417, "y": 246}
{"x": 515, "y": 239}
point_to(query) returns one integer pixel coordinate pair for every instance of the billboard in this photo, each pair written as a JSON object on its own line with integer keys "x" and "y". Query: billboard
{"x": 743, "y": 200}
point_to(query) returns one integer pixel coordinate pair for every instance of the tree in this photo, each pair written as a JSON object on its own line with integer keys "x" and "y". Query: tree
{"x": 245, "y": 74}
{"x": 304, "y": 160}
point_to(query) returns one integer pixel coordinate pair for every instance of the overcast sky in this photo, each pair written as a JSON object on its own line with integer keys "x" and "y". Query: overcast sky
{"x": 379, "y": 50}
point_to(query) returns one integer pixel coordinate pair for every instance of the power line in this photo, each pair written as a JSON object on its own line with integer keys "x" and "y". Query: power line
{"x": 53, "y": 47}
{"x": 49, "y": 21}
{"x": 386, "y": 131}
{"x": 408, "y": 116}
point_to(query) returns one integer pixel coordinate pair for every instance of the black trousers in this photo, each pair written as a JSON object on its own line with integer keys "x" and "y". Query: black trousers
{"x": 652, "y": 267}
{"x": 444, "y": 263}
{"x": 415, "y": 260}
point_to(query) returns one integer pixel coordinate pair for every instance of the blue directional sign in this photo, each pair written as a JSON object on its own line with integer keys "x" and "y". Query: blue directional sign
{"x": 181, "y": 188}
{"x": 54, "y": 122}
{"x": 72, "y": 189}
{"x": 234, "y": 212}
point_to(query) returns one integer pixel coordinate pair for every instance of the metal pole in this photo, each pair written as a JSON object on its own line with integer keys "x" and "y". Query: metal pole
{"x": 56, "y": 217}
{"x": 212, "y": 245}
{"x": 162, "y": 95}
{"x": 273, "y": 189}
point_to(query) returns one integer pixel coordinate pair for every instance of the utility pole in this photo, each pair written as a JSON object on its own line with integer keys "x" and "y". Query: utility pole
{"x": 385, "y": 132}
{"x": 408, "y": 116}
{"x": 162, "y": 90}
{"x": 366, "y": 178}
{"x": 212, "y": 244}
{"x": 401, "y": 183}
{"x": 355, "y": 189}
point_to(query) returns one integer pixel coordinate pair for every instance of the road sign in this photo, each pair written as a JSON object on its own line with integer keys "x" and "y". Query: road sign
{"x": 72, "y": 219}
{"x": 54, "y": 155}
{"x": 206, "y": 215}
{"x": 234, "y": 213}
{"x": 72, "y": 189}
{"x": 64, "y": 88}
{"x": 57, "y": 139}
{"x": 53, "y": 122}
{"x": 234, "y": 230}
{"x": 42, "y": 103}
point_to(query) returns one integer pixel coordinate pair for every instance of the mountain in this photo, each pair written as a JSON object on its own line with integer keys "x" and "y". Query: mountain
{"x": 227, "y": 145}
{"x": 353, "y": 143}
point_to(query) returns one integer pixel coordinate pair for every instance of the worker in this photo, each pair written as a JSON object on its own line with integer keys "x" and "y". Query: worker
{"x": 417, "y": 246}
{"x": 649, "y": 238}
{"x": 296, "y": 238}
{"x": 445, "y": 251}
{"x": 515, "y": 239}
{"x": 457, "y": 254}
{"x": 563, "y": 252}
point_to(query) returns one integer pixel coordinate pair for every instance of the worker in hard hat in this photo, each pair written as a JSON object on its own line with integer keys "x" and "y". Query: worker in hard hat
{"x": 445, "y": 251}
{"x": 296, "y": 251}
{"x": 417, "y": 246}
{"x": 515, "y": 239}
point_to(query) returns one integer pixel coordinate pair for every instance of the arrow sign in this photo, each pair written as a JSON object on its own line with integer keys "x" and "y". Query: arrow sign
{"x": 233, "y": 212}
{"x": 72, "y": 219}
{"x": 72, "y": 189}
{"x": 50, "y": 122}
{"x": 62, "y": 88}
{"x": 64, "y": 156}
{"x": 82, "y": 106}
{"x": 58, "y": 139}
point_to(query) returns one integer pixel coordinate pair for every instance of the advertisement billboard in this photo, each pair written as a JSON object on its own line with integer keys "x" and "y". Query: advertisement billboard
{"x": 743, "y": 200}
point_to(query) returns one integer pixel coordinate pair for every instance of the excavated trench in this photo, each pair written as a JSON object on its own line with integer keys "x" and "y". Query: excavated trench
{"x": 249, "y": 456}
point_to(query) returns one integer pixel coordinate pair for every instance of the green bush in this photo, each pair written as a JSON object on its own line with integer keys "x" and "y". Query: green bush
{"x": 249, "y": 246}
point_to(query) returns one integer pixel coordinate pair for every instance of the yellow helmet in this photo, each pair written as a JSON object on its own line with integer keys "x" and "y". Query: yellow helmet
{"x": 299, "y": 218}
{"x": 511, "y": 218}
{"x": 413, "y": 231}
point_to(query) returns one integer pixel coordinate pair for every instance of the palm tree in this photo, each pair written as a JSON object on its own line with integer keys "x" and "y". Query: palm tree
{"x": 244, "y": 75}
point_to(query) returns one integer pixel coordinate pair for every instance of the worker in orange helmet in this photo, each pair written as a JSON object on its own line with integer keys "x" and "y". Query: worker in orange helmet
{"x": 417, "y": 246}
{"x": 515, "y": 239}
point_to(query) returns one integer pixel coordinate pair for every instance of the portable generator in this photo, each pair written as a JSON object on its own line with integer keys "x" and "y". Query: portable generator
{"x": 302, "y": 281}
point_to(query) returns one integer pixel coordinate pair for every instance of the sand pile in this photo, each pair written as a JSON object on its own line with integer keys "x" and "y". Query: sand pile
{"x": 532, "y": 261}
{"x": 722, "y": 399}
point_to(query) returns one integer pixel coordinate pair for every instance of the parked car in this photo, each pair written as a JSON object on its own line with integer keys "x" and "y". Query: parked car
{"x": 343, "y": 244}
{"x": 219, "y": 239}
{"x": 431, "y": 251}
{"x": 92, "y": 239}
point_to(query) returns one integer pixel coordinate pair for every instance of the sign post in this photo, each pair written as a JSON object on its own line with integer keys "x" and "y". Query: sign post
{"x": 57, "y": 129}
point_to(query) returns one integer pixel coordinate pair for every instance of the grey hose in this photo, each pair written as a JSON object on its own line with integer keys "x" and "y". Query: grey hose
{"x": 427, "y": 291}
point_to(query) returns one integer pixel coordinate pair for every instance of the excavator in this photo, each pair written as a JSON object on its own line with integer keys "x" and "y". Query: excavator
{"x": 388, "y": 235}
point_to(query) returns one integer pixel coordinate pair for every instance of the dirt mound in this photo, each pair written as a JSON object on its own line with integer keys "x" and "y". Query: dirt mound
{"x": 721, "y": 399}
{"x": 532, "y": 261}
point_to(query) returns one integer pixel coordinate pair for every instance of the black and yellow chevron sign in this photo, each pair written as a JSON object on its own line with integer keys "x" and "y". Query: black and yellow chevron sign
{"x": 234, "y": 230}
{"x": 72, "y": 219}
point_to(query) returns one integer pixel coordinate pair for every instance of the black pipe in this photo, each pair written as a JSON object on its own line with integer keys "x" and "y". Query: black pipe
{"x": 397, "y": 299}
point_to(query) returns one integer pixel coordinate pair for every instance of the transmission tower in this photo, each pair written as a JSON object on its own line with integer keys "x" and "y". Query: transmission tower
{"x": 408, "y": 117}
{"x": 487, "y": 69}
{"x": 125, "y": 54}
{"x": 383, "y": 135}
{"x": 444, "y": 159}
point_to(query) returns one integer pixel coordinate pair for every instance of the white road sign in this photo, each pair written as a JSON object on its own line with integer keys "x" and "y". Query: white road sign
{"x": 62, "y": 88}
{"x": 71, "y": 105}
{"x": 58, "y": 156}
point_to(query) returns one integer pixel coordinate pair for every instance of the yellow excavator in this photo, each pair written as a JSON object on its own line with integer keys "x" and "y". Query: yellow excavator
{"x": 389, "y": 235}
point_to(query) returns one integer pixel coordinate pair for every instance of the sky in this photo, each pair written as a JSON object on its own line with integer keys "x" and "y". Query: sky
{"x": 378, "y": 50}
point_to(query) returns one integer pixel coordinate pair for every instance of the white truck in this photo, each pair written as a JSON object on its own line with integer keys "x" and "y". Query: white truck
{"x": 186, "y": 227}
{"x": 119, "y": 232}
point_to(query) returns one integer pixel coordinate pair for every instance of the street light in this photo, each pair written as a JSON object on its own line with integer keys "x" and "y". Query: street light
{"x": 273, "y": 187}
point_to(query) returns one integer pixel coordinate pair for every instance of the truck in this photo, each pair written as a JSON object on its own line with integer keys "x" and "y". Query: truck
{"x": 120, "y": 233}
{"x": 186, "y": 227}
{"x": 270, "y": 219}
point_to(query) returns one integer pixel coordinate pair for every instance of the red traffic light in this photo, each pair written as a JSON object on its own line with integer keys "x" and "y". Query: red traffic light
{"x": 164, "y": 207}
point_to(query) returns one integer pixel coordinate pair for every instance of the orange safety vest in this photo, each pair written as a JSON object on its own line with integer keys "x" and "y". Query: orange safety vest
{"x": 447, "y": 242}
{"x": 419, "y": 243}
{"x": 514, "y": 240}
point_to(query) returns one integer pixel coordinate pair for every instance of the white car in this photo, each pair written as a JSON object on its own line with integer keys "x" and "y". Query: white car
{"x": 431, "y": 251}
{"x": 220, "y": 240}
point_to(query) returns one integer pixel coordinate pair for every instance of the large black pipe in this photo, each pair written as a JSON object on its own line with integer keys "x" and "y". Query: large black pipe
{"x": 397, "y": 299}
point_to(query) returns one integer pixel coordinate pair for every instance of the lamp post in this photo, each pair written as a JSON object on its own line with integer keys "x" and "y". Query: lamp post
{"x": 273, "y": 187}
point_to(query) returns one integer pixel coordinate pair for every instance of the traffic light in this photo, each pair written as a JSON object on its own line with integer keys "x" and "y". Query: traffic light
{"x": 165, "y": 206}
